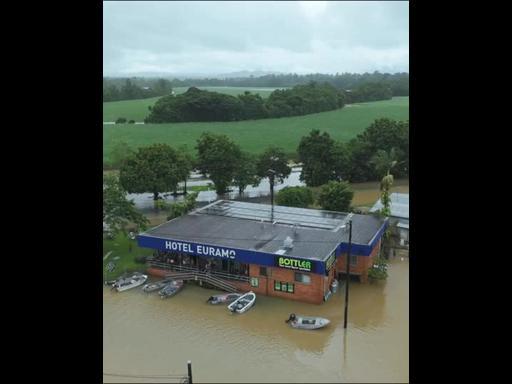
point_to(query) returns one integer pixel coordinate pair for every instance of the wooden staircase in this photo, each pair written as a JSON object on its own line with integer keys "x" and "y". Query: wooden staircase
{"x": 205, "y": 278}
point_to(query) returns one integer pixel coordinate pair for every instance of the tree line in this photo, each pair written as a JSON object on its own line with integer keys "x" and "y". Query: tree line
{"x": 130, "y": 89}
{"x": 360, "y": 159}
{"x": 397, "y": 82}
{"x": 201, "y": 105}
{"x": 141, "y": 87}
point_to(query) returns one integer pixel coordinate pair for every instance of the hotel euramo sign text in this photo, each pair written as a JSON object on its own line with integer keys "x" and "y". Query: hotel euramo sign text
{"x": 198, "y": 249}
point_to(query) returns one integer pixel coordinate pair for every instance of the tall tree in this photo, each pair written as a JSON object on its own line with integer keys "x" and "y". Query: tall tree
{"x": 336, "y": 196}
{"x": 154, "y": 169}
{"x": 316, "y": 154}
{"x": 118, "y": 211}
{"x": 245, "y": 173}
{"x": 273, "y": 164}
{"x": 384, "y": 161}
{"x": 186, "y": 163}
{"x": 340, "y": 161}
{"x": 218, "y": 157}
{"x": 385, "y": 188}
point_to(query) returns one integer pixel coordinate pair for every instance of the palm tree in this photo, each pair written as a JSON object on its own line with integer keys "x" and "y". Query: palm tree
{"x": 384, "y": 161}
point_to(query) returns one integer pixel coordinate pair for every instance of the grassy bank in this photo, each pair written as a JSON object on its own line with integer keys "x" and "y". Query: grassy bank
{"x": 126, "y": 262}
{"x": 255, "y": 135}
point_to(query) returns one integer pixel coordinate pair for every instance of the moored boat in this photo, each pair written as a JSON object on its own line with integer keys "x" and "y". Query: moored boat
{"x": 223, "y": 298}
{"x": 129, "y": 282}
{"x": 155, "y": 286}
{"x": 171, "y": 289}
{"x": 307, "y": 322}
{"x": 243, "y": 303}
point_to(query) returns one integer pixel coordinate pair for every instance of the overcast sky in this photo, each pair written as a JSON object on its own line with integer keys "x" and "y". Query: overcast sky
{"x": 220, "y": 37}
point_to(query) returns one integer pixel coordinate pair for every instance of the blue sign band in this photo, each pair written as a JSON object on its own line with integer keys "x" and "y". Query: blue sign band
{"x": 207, "y": 250}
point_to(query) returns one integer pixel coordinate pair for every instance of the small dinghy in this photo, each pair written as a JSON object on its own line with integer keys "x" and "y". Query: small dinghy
{"x": 243, "y": 303}
{"x": 307, "y": 322}
{"x": 224, "y": 298}
{"x": 151, "y": 287}
{"x": 129, "y": 282}
{"x": 171, "y": 289}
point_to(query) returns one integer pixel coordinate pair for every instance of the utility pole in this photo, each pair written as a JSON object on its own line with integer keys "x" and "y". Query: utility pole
{"x": 348, "y": 272}
{"x": 189, "y": 365}
{"x": 271, "y": 177}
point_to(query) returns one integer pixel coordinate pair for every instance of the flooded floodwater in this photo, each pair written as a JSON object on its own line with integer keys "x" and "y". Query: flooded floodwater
{"x": 144, "y": 335}
{"x": 365, "y": 194}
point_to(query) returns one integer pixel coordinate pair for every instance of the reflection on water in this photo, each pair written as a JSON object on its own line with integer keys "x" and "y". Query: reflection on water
{"x": 146, "y": 335}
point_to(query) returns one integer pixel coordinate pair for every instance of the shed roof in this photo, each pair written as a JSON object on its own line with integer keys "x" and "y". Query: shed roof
{"x": 399, "y": 205}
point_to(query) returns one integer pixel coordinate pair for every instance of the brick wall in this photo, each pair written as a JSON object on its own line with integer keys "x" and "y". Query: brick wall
{"x": 310, "y": 293}
{"x": 363, "y": 263}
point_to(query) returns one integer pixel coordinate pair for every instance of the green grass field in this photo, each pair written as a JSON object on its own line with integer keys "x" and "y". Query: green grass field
{"x": 119, "y": 247}
{"x": 255, "y": 135}
{"x": 138, "y": 109}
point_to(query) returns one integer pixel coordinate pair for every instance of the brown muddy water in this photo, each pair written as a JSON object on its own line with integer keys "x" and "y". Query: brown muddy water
{"x": 144, "y": 335}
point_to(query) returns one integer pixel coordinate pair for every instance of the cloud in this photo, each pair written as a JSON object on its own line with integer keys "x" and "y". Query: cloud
{"x": 220, "y": 37}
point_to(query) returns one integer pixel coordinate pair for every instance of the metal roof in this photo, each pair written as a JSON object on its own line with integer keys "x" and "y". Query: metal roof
{"x": 315, "y": 233}
{"x": 399, "y": 205}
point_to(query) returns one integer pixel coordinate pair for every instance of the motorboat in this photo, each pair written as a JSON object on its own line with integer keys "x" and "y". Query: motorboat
{"x": 151, "y": 287}
{"x": 223, "y": 298}
{"x": 129, "y": 282}
{"x": 243, "y": 303}
{"x": 307, "y": 322}
{"x": 171, "y": 289}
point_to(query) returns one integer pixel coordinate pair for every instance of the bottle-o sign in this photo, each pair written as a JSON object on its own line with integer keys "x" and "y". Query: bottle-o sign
{"x": 288, "y": 262}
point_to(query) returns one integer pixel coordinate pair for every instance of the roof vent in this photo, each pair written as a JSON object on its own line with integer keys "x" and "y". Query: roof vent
{"x": 288, "y": 242}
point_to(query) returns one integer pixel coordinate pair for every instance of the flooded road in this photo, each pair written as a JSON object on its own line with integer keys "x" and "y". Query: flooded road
{"x": 144, "y": 335}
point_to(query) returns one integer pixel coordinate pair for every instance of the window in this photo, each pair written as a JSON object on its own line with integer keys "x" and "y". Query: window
{"x": 353, "y": 260}
{"x": 302, "y": 278}
{"x": 284, "y": 287}
{"x": 263, "y": 271}
{"x": 254, "y": 282}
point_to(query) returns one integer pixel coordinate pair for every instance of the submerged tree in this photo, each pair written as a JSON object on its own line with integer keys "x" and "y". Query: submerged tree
{"x": 385, "y": 198}
{"x": 273, "y": 164}
{"x": 245, "y": 173}
{"x": 217, "y": 158}
{"x": 316, "y": 154}
{"x": 157, "y": 168}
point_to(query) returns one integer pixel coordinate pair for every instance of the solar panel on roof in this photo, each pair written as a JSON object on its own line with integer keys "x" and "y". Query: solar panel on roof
{"x": 284, "y": 215}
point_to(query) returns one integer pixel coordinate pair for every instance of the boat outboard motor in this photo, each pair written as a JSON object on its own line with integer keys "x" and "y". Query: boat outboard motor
{"x": 291, "y": 318}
